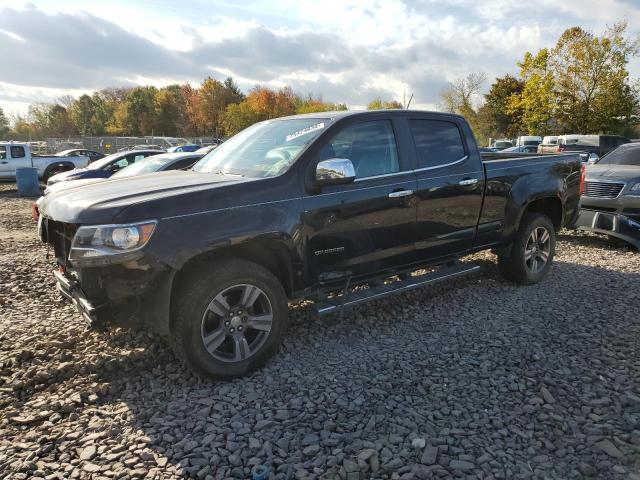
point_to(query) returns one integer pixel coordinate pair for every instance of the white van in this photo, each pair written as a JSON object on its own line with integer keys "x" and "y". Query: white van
{"x": 528, "y": 141}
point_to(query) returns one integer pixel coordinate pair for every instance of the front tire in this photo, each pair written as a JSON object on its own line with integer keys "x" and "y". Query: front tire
{"x": 229, "y": 319}
{"x": 531, "y": 252}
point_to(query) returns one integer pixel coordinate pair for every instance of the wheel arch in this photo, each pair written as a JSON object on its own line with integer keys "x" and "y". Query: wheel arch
{"x": 549, "y": 206}
{"x": 271, "y": 254}
{"x": 52, "y": 166}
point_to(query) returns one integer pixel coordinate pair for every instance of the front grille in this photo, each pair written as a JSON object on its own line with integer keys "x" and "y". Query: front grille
{"x": 603, "y": 189}
{"x": 59, "y": 235}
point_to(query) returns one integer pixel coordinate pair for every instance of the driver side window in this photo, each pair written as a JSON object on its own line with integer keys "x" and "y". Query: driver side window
{"x": 371, "y": 147}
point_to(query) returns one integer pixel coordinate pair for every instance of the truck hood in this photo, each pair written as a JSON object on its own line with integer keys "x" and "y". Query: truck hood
{"x": 623, "y": 173}
{"x": 102, "y": 202}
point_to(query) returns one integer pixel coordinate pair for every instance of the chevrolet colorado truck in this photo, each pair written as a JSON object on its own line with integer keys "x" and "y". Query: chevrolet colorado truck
{"x": 15, "y": 155}
{"x": 338, "y": 207}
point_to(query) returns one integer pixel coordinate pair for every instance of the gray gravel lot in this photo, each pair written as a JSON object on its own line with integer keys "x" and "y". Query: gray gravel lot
{"x": 471, "y": 379}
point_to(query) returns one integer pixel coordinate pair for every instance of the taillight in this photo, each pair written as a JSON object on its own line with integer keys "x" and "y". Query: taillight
{"x": 583, "y": 175}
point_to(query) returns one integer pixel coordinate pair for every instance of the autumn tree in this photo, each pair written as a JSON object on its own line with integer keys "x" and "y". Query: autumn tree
{"x": 311, "y": 104}
{"x": 593, "y": 92}
{"x": 461, "y": 97}
{"x": 379, "y": 104}
{"x": 4, "y": 126}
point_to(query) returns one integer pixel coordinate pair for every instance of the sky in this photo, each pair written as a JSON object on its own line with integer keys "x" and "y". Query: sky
{"x": 347, "y": 51}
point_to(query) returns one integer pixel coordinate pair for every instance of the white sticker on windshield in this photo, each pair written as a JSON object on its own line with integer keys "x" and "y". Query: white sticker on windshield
{"x": 304, "y": 131}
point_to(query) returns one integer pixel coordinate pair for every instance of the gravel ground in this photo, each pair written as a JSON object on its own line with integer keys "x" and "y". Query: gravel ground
{"x": 473, "y": 379}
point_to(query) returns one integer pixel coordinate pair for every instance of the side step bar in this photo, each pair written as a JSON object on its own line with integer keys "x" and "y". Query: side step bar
{"x": 380, "y": 291}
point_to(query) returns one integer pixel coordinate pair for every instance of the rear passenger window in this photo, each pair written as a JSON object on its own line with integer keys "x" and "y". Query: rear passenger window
{"x": 17, "y": 152}
{"x": 3, "y": 153}
{"x": 371, "y": 147}
{"x": 437, "y": 142}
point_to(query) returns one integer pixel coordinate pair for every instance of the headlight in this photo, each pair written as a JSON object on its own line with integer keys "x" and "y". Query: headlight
{"x": 635, "y": 189}
{"x": 105, "y": 240}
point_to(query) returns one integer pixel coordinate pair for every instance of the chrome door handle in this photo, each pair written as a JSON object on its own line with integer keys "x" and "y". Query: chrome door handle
{"x": 468, "y": 181}
{"x": 401, "y": 193}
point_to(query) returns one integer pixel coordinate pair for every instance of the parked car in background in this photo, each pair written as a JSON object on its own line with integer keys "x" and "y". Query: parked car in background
{"x": 599, "y": 145}
{"x": 15, "y": 155}
{"x": 611, "y": 200}
{"x": 183, "y": 148}
{"x": 205, "y": 150}
{"x": 80, "y": 152}
{"x": 521, "y": 149}
{"x": 528, "y": 141}
{"x": 548, "y": 144}
{"x": 105, "y": 167}
{"x": 501, "y": 144}
{"x": 302, "y": 207}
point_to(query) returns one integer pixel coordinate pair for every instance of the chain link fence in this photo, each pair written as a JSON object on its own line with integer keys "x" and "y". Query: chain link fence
{"x": 115, "y": 144}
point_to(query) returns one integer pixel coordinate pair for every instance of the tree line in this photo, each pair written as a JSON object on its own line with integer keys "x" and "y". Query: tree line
{"x": 213, "y": 108}
{"x": 581, "y": 85}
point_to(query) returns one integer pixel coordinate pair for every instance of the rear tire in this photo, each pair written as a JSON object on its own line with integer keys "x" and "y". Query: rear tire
{"x": 532, "y": 251}
{"x": 229, "y": 319}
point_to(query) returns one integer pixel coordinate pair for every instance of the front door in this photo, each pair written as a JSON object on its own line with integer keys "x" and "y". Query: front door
{"x": 12, "y": 157}
{"x": 450, "y": 183}
{"x": 365, "y": 226}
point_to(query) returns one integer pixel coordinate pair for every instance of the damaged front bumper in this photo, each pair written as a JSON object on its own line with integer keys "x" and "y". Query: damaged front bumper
{"x": 119, "y": 296}
{"x": 71, "y": 289}
{"x": 610, "y": 223}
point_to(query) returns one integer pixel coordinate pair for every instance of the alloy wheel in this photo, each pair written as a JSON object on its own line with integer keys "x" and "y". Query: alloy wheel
{"x": 236, "y": 323}
{"x": 537, "y": 250}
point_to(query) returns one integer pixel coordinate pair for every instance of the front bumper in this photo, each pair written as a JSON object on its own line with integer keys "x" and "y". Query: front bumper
{"x": 610, "y": 223}
{"x": 71, "y": 289}
{"x": 118, "y": 296}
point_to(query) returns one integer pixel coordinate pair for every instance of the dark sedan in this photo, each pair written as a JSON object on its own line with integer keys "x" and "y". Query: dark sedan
{"x": 105, "y": 167}
{"x": 155, "y": 163}
{"x": 611, "y": 201}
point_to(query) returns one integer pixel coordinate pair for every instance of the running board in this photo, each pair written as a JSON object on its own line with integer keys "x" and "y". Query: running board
{"x": 380, "y": 291}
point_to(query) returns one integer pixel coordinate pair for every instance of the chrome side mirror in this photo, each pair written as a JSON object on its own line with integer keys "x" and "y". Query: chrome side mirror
{"x": 593, "y": 158}
{"x": 335, "y": 171}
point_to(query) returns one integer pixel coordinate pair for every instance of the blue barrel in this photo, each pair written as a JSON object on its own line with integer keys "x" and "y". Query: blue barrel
{"x": 27, "y": 182}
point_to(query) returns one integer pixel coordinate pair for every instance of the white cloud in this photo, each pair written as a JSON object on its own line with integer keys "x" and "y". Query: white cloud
{"x": 348, "y": 50}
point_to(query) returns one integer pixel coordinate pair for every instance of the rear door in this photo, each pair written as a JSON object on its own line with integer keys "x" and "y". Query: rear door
{"x": 450, "y": 181}
{"x": 365, "y": 226}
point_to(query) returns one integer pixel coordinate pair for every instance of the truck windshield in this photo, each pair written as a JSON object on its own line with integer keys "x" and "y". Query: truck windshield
{"x": 266, "y": 149}
{"x": 624, "y": 155}
{"x": 98, "y": 164}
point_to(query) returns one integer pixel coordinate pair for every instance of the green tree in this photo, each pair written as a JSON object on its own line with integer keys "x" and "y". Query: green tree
{"x": 379, "y": 104}
{"x": 140, "y": 116}
{"x": 237, "y": 117}
{"x": 59, "y": 121}
{"x": 4, "y": 126}
{"x": 535, "y": 104}
{"x": 495, "y": 114}
{"x": 83, "y": 112}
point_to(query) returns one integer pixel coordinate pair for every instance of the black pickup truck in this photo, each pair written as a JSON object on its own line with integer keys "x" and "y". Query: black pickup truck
{"x": 336, "y": 207}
